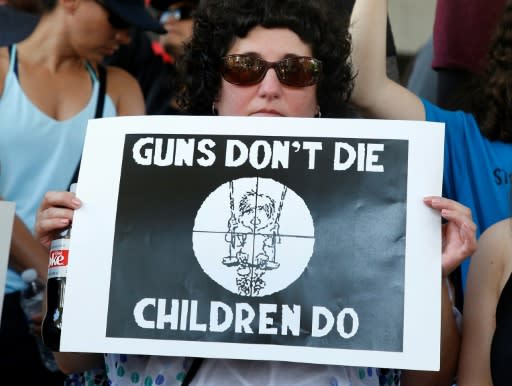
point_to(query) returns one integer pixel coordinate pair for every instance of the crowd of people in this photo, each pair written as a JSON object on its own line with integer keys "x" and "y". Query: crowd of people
{"x": 82, "y": 59}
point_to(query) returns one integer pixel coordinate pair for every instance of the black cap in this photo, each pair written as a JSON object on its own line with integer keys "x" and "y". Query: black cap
{"x": 135, "y": 13}
{"x": 162, "y": 5}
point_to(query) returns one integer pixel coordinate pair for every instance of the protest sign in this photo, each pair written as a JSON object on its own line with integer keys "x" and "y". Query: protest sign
{"x": 258, "y": 238}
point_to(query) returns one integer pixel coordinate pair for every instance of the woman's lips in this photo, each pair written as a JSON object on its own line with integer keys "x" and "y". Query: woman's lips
{"x": 267, "y": 113}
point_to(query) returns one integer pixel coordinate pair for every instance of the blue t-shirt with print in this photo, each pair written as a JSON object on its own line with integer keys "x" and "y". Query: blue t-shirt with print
{"x": 477, "y": 171}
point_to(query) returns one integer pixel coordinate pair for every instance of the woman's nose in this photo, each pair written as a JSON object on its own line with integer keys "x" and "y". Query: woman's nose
{"x": 270, "y": 87}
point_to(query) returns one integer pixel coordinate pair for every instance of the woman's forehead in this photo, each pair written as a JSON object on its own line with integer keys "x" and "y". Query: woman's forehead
{"x": 271, "y": 43}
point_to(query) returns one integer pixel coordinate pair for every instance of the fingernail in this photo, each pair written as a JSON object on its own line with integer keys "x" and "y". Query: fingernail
{"x": 76, "y": 202}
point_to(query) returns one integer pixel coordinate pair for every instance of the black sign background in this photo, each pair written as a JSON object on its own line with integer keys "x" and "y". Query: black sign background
{"x": 358, "y": 259}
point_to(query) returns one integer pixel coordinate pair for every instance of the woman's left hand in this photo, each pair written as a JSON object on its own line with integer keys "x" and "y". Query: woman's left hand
{"x": 458, "y": 234}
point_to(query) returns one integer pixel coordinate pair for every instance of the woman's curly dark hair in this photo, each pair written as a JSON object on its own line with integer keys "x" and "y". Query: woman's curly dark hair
{"x": 219, "y": 22}
{"x": 491, "y": 102}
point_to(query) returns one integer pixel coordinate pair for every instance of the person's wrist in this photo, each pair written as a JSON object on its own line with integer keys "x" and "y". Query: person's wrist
{"x": 451, "y": 296}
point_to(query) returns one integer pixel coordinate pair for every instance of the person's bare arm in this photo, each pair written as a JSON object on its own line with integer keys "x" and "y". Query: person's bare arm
{"x": 376, "y": 94}
{"x": 487, "y": 275}
{"x": 26, "y": 252}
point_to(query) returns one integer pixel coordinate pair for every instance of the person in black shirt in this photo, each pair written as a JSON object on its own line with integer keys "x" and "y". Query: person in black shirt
{"x": 153, "y": 62}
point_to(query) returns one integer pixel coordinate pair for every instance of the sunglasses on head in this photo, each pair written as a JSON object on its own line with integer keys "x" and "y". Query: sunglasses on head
{"x": 114, "y": 19}
{"x": 246, "y": 70}
{"x": 183, "y": 12}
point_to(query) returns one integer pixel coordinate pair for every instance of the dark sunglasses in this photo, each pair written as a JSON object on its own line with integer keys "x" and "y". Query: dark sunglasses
{"x": 183, "y": 12}
{"x": 246, "y": 70}
{"x": 114, "y": 19}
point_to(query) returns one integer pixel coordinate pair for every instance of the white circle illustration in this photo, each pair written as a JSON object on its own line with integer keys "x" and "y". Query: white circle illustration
{"x": 253, "y": 236}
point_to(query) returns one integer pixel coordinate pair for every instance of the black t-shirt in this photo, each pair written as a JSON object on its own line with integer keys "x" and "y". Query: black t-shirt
{"x": 501, "y": 348}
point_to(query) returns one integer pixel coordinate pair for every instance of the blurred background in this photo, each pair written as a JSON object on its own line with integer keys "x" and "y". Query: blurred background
{"x": 412, "y": 22}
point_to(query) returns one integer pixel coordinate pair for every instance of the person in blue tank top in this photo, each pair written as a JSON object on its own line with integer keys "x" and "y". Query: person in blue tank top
{"x": 49, "y": 88}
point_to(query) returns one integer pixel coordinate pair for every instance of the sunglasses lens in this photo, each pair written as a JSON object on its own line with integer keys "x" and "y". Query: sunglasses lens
{"x": 243, "y": 69}
{"x": 249, "y": 70}
{"x": 180, "y": 13}
{"x": 164, "y": 17}
{"x": 298, "y": 72}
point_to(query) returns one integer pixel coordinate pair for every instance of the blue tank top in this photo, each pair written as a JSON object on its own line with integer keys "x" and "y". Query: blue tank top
{"x": 37, "y": 152}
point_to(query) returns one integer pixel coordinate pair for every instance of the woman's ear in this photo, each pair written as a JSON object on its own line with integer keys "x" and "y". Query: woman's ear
{"x": 214, "y": 105}
{"x": 318, "y": 113}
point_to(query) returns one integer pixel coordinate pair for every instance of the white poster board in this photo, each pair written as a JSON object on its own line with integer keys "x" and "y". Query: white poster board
{"x": 6, "y": 223}
{"x": 303, "y": 240}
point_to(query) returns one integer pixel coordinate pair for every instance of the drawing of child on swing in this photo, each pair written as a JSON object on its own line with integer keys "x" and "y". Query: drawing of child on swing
{"x": 253, "y": 232}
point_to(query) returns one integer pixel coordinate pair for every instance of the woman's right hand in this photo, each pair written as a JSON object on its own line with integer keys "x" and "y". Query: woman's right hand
{"x": 54, "y": 214}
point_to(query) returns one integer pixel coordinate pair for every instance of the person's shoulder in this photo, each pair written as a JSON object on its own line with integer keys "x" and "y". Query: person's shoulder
{"x": 4, "y": 54}
{"x": 125, "y": 91}
{"x": 495, "y": 251}
{"x": 501, "y": 232}
{"x": 496, "y": 241}
{"x": 119, "y": 76}
{"x": 120, "y": 81}
{"x": 4, "y": 66}
{"x": 458, "y": 123}
{"x": 436, "y": 113}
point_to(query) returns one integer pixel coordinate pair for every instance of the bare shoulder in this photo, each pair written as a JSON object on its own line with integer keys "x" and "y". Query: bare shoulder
{"x": 495, "y": 249}
{"x": 4, "y": 66}
{"x": 125, "y": 91}
{"x": 498, "y": 236}
{"x": 119, "y": 80}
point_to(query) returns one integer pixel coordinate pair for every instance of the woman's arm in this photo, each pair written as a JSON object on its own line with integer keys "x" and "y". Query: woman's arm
{"x": 54, "y": 214}
{"x": 487, "y": 275}
{"x": 459, "y": 241}
{"x": 376, "y": 94}
{"x": 70, "y": 362}
{"x": 26, "y": 252}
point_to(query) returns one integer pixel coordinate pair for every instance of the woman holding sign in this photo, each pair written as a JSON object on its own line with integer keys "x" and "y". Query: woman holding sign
{"x": 269, "y": 58}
